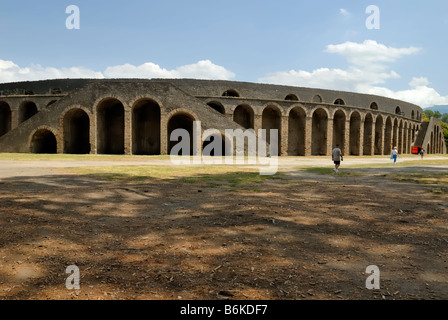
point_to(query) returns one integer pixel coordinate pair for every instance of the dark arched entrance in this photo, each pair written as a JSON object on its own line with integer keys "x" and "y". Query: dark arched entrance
{"x": 146, "y": 128}
{"x": 110, "y": 122}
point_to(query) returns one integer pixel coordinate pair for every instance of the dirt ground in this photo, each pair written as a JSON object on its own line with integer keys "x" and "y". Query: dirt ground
{"x": 302, "y": 235}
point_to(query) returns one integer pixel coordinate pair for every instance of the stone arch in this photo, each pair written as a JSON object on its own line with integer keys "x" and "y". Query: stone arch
{"x": 339, "y": 102}
{"x": 292, "y": 97}
{"x": 146, "y": 117}
{"x": 398, "y": 110}
{"x": 319, "y": 132}
{"x": 27, "y": 109}
{"x": 413, "y": 115}
{"x": 271, "y": 120}
{"x": 388, "y": 136}
{"x": 43, "y": 140}
{"x": 355, "y": 134}
{"x": 244, "y": 116}
{"x": 231, "y": 93}
{"x": 217, "y": 106}
{"x": 181, "y": 120}
{"x": 317, "y": 99}
{"x": 378, "y": 149}
{"x": 374, "y": 106}
{"x": 110, "y": 126}
{"x": 5, "y": 118}
{"x": 368, "y": 138}
{"x": 296, "y": 132}
{"x": 339, "y": 121}
{"x": 76, "y": 131}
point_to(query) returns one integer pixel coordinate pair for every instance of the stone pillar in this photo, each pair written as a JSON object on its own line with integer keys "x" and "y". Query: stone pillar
{"x": 127, "y": 131}
{"x": 258, "y": 122}
{"x": 284, "y": 136}
{"x": 308, "y": 135}
{"x": 163, "y": 134}
{"x": 373, "y": 138}
{"x": 361, "y": 138}
{"x": 347, "y": 138}
{"x": 14, "y": 118}
{"x": 330, "y": 136}
{"x": 93, "y": 133}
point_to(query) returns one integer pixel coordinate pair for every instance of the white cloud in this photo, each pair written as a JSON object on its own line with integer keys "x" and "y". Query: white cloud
{"x": 344, "y": 12}
{"x": 368, "y": 71}
{"x": 370, "y": 52}
{"x": 10, "y": 72}
{"x": 204, "y": 69}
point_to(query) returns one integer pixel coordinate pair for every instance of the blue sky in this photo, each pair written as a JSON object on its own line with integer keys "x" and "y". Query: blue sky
{"x": 305, "y": 43}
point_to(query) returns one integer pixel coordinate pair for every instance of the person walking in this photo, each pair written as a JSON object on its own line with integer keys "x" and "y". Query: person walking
{"x": 422, "y": 152}
{"x": 395, "y": 155}
{"x": 337, "y": 158}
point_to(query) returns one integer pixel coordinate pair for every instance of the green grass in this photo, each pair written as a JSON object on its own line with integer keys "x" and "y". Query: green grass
{"x": 438, "y": 179}
{"x": 214, "y": 176}
{"x": 330, "y": 171}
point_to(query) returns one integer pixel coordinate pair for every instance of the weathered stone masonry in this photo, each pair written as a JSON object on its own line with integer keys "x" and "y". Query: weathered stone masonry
{"x": 138, "y": 116}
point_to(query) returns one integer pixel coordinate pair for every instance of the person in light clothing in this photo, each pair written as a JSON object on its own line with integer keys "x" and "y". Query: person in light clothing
{"x": 395, "y": 155}
{"x": 337, "y": 158}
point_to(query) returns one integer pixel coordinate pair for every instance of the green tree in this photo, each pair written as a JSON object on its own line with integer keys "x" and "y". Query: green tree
{"x": 445, "y": 132}
{"x": 437, "y": 115}
{"x": 429, "y": 113}
{"x": 425, "y": 118}
{"x": 444, "y": 117}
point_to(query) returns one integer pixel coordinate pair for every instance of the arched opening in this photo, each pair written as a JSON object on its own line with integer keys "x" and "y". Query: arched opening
{"x": 339, "y": 129}
{"x": 379, "y": 135}
{"x": 339, "y": 102}
{"x": 214, "y": 146}
{"x": 271, "y": 120}
{"x": 368, "y": 131}
{"x": 110, "y": 127}
{"x": 292, "y": 97}
{"x": 432, "y": 143}
{"x": 317, "y": 99}
{"x": 319, "y": 133}
{"x": 395, "y": 135}
{"x": 5, "y": 118}
{"x": 388, "y": 137}
{"x": 355, "y": 134}
{"x": 181, "y": 121}
{"x": 296, "y": 132}
{"x": 231, "y": 93}
{"x": 398, "y": 111}
{"x": 146, "y": 128}
{"x": 217, "y": 106}
{"x": 43, "y": 141}
{"x": 406, "y": 136}
{"x": 244, "y": 116}
{"x": 413, "y": 115}
{"x": 374, "y": 106}
{"x": 26, "y": 110}
{"x": 76, "y": 132}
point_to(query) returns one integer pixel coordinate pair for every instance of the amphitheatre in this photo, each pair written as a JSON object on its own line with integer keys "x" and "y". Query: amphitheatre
{"x": 86, "y": 180}
{"x": 137, "y": 117}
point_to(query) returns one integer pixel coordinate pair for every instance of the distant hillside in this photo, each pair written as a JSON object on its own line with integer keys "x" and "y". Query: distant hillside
{"x": 441, "y": 109}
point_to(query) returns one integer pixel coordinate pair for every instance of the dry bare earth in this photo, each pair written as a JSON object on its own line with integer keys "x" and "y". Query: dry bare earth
{"x": 299, "y": 236}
